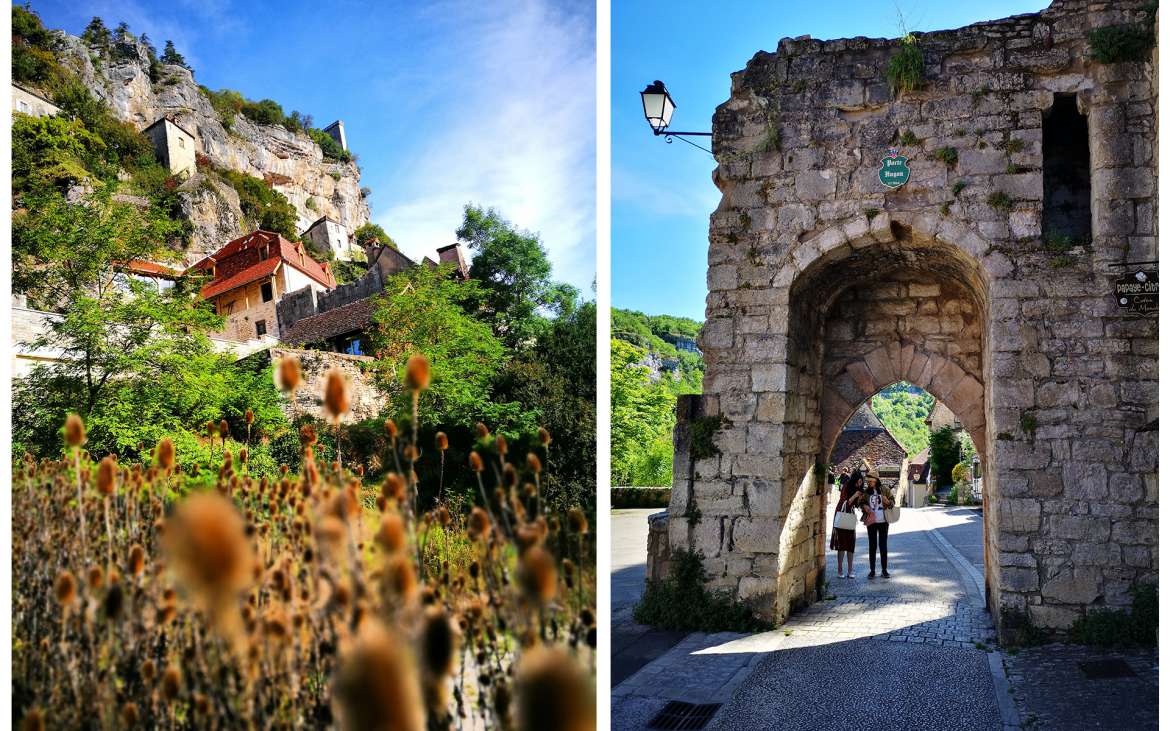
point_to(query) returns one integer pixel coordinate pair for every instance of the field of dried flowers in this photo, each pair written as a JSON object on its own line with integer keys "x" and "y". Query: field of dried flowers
{"x": 301, "y": 599}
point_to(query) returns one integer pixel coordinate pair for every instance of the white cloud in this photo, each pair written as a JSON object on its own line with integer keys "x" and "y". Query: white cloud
{"x": 519, "y": 91}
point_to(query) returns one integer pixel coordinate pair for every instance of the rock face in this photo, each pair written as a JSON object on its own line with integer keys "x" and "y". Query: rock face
{"x": 986, "y": 279}
{"x": 291, "y": 163}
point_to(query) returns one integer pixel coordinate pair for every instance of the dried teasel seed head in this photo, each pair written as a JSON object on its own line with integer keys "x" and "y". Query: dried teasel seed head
{"x": 308, "y": 435}
{"x": 249, "y": 417}
{"x": 224, "y": 429}
{"x": 164, "y": 454}
{"x": 336, "y": 396}
{"x": 392, "y": 533}
{"x": 545, "y": 437}
{"x": 243, "y": 455}
{"x": 478, "y": 523}
{"x": 211, "y": 429}
{"x": 129, "y": 715}
{"x": 74, "y": 430}
{"x": 65, "y": 589}
{"x": 137, "y": 560}
{"x": 534, "y": 463}
{"x": 391, "y": 428}
{"x": 172, "y": 683}
{"x": 94, "y": 578}
{"x": 288, "y": 373}
{"x": 107, "y": 475}
{"x": 553, "y": 692}
{"x": 147, "y": 671}
{"x": 34, "y": 720}
{"x": 376, "y": 685}
{"x": 418, "y": 373}
{"x": 481, "y": 430}
{"x": 441, "y": 441}
{"x": 206, "y": 543}
{"x": 537, "y": 575}
{"x": 501, "y": 444}
{"x": 476, "y": 462}
{"x": 394, "y": 487}
{"x": 439, "y": 640}
{"x": 578, "y": 522}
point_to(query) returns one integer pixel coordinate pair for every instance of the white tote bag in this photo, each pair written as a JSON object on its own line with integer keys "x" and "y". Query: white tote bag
{"x": 845, "y": 520}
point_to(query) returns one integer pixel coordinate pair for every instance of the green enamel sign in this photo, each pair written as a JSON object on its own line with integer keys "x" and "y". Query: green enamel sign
{"x": 894, "y": 171}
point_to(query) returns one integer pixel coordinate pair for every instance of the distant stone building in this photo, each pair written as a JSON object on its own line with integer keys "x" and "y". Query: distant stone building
{"x": 865, "y": 441}
{"x": 330, "y": 237}
{"x": 337, "y": 132}
{"x": 940, "y": 416}
{"x": 27, "y": 101}
{"x": 338, "y": 320}
{"x": 174, "y": 146}
{"x": 251, "y": 274}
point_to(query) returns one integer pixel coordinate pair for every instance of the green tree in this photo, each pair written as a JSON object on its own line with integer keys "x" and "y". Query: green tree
{"x": 515, "y": 272}
{"x": 944, "y": 455}
{"x": 61, "y": 250}
{"x": 371, "y": 232}
{"x": 642, "y": 413}
{"x": 425, "y": 311}
{"x": 33, "y": 59}
{"x": 171, "y": 57}
{"x": 97, "y": 35}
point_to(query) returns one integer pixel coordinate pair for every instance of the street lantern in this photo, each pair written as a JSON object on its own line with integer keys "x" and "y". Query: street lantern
{"x": 975, "y": 466}
{"x": 658, "y": 106}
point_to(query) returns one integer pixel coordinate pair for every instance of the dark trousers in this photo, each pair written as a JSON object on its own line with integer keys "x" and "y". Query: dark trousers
{"x": 877, "y": 539}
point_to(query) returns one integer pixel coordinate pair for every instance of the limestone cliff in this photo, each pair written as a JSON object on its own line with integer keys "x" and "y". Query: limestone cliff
{"x": 292, "y": 163}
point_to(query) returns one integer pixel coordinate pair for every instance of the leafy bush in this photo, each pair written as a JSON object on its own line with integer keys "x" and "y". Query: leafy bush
{"x": 944, "y": 454}
{"x": 1123, "y": 43}
{"x": 907, "y": 65}
{"x": 371, "y": 231}
{"x": 263, "y": 206}
{"x": 1137, "y": 627}
{"x": 682, "y": 602}
{"x": 947, "y": 155}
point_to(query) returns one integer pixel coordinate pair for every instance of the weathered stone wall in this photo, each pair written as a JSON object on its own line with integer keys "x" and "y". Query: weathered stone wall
{"x": 824, "y": 286}
{"x": 366, "y": 400}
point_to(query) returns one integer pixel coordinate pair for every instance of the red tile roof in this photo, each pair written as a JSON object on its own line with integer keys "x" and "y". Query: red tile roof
{"x": 147, "y": 268}
{"x": 331, "y": 323}
{"x": 239, "y": 262}
{"x": 239, "y": 279}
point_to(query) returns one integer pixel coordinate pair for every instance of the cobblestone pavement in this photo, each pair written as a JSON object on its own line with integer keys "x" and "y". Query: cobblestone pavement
{"x": 1052, "y": 692}
{"x": 914, "y": 637}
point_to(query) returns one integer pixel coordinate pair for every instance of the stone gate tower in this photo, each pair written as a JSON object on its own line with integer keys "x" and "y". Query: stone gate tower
{"x": 986, "y": 279}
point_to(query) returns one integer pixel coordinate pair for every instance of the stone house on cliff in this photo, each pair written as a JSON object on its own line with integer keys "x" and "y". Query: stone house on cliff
{"x": 174, "y": 146}
{"x": 250, "y": 275}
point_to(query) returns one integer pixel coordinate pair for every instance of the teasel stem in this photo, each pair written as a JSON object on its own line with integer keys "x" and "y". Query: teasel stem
{"x": 442, "y": 462}
{"x": 109, "y": 532}
{"x": 80, "y": 501}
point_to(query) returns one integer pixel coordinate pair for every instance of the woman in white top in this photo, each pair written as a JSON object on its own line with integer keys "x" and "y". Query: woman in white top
{"x": 874, "y": 502}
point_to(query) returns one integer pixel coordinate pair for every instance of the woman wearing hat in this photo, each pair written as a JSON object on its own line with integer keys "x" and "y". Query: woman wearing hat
{"x": 875, "y": 500}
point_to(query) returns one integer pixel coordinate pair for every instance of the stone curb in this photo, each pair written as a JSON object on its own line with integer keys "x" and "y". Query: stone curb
{"x": 1008, "y": 712}
{"x": 973, "y": 584}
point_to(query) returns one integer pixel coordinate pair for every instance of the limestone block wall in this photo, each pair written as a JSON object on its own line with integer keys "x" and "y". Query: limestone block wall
{"x": 825, "y": 286}
{"x": 366, "y": 400}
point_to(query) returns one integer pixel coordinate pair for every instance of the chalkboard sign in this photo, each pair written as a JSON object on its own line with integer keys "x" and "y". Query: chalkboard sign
{"x": 1137, "y": 291}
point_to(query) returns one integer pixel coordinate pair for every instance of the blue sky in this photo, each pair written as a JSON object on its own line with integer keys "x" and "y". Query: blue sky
{"x": 662, "y": 194}
{"x": 489, "y": 102}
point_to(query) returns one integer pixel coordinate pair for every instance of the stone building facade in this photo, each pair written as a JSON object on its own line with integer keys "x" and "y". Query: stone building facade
{"x": 174, "y": 146}
{"x": 27, "y": 101}
{"x": 986, "y": 279}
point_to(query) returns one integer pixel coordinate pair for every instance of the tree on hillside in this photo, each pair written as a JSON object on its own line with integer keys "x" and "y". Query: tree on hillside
{"x": 515, "y": 272}
{"x": 642, "y": 416}
{"x": 172, "y": 57}
{"x": 97, "y": 35}
{"x": 371, "y": 232}
{"x": 425, "y": 311}
{"x": 944, "y": 455}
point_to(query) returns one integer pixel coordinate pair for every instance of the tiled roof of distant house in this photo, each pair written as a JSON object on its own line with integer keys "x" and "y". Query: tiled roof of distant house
{"x": 865, "y": 439}
{"x": 257, "y": 255}
{"x": 345, "y": 319}
{"x": 147, "y": 269}
{"x": 160, "y": 120}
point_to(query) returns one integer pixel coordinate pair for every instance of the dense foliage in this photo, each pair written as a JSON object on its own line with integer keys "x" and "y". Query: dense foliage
{"x": 228, "y": 103}
{"x": 903, "y": 409}
{"x": 263, "y": 206}
{"x": 369, "y": 233}
{"x": 944, "y": 455}
{"x": 641, "y": 421}
{"x": 642, "y": 401}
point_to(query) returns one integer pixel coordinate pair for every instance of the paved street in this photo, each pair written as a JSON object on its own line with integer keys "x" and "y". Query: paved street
{"x": 634, "y": 644}
{"x": 911, "y": 638}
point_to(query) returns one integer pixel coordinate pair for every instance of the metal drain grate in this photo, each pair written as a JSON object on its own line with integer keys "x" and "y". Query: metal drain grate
{"x": 1106, "y": 669}
{"x": 681, "y": 715}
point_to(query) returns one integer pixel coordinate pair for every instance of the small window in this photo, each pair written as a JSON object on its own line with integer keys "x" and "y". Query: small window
{"x": 266, "y": 291}
{"x": 228, "y": 307}
{"x": 182, "y": 142}
{"x": 354, "y": 347}
{"x": 261, "y": 328}
{"x": 22, "y": 105}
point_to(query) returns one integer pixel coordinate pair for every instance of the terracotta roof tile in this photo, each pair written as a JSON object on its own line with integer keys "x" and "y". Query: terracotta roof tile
{"x": 345, "y": 319}
{"x": 232, "y": 260}
{"x": 239, "y": 279}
